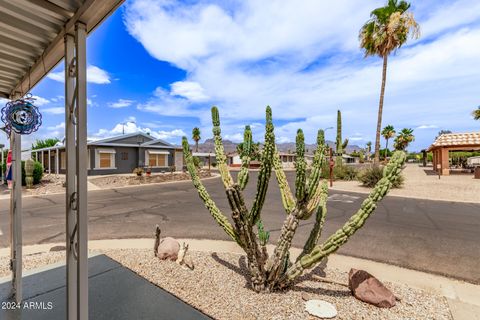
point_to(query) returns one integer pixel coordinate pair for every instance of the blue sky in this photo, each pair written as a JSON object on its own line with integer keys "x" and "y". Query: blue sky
{"x": 163, "y": 64}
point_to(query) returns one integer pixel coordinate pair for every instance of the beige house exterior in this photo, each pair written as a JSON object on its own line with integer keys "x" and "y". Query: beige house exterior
{"x": 452, "y": 142}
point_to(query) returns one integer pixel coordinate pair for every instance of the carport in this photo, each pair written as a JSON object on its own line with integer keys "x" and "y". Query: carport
{"x": 35, "y": 35}
{"x": 452, "y": 142}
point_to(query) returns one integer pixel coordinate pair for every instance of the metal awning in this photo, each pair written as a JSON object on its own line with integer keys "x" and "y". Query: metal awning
{"x": 31, "y": 37}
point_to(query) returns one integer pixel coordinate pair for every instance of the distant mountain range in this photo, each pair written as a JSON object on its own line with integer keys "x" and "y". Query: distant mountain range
{"x": 287, "y": 147}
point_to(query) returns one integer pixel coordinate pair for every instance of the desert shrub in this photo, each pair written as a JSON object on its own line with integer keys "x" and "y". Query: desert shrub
{"x": 370, "y": 176}
{"x": 214, "y": 164}
{"x": 197, "y": 162}
{"x": 347, "y": 173}
{"x": 37, "y": 173}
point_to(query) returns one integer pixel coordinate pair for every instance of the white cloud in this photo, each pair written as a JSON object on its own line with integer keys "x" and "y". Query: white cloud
{"x": 94, "y": 75}
{"x": 130, "y": 126}
{"x": 193, "y": 91}
{"x": 58, "y": 126}
{"x": 427, "y": 126}
{"x": 54, "y": 110}
{"x": 121, "y": 103}
{"x": 39, "y": 101}
{"x": 244, "y": 55}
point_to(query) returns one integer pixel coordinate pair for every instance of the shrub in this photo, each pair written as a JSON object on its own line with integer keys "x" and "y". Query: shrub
{"x": 197, "y": 162}
{"x": 370, "y": 176}
{"x": 347, "y": 173}
{"x": 37, "y": 173}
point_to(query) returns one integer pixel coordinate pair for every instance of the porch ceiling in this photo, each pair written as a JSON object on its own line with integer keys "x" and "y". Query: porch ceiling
{"x": 31, "y": 37}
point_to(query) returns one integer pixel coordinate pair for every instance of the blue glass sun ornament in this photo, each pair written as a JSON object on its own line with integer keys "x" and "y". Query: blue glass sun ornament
{"x": 21, "y": 116}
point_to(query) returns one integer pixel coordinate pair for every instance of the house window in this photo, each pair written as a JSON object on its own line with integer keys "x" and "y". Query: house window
{"x": 105, "y": 159}
{"x": 124, "y": 156}
{"x": 157, "y": 158}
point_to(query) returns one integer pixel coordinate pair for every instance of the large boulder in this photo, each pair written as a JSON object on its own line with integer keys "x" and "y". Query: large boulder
{"x": 367, "y": 288}
{"x": 168, "y": 249}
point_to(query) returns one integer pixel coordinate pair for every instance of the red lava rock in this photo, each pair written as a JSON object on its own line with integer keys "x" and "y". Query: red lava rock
{"x": 168, "y": 249}
{"x": 367, "y": 288}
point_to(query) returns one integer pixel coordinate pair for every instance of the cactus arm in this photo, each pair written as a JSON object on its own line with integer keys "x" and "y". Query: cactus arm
{"x": 242, "y": 179}
{"x": 319, "y": 222}
{"x": 287, "y": 197}
{"x": 344, "y": 144}
{"x": 219, "y": 150}
{"x": 318, "y": 160}
{"x": 219, "y": 217}
{"x": 338, "y": 140}
{"x": 265, "y": 168}
{"x": 341, "y": 236}
{"x": 300, "y": 168}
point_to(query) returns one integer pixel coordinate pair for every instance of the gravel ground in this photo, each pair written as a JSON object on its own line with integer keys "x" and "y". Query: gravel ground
{"x": 50, "y": 183}
{"x": 423, "y": 183}
{"x": 129, "y": 180}
{"x": 217, "y": 286}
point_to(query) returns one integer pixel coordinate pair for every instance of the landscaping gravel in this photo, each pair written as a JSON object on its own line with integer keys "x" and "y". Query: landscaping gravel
{"x": 218, "y": 287}
{"x": 131, "y": 180}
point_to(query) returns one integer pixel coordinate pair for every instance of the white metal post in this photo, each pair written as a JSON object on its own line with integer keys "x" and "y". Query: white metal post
{"x": 42, "y": 161}
{"x": 49, "y": 162}
{"x": 16, "y": 216}
{"x": 3, "y": 173}
{"x": 82, "y": 210}
{"x": 70, "y": 174}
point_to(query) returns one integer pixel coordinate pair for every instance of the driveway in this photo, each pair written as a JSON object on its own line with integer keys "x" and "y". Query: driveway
{"x": 434, "y": 236}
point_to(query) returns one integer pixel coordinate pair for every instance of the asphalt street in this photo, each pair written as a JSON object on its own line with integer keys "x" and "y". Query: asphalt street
{"x": 434, "y": 236}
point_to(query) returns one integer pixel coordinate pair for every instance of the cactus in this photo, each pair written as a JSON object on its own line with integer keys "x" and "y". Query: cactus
{"x": 340, "y": 146}
{"x": 29, "y": 166}
{"x": 278, "y": 271}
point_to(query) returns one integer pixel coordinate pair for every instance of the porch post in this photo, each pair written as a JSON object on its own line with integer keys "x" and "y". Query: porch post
{"x": 16, "y": 216}
{"x": 70, "y": 205}
{"x": 57, "y": 156}
{"x": 42, "y": 160}
{"x": 81, "y": 134}
{"x": 49, "y": 162}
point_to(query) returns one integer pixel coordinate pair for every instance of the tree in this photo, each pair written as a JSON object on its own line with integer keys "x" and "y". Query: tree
{"x": 476, "y": 113}
{"x": 40, "y": 144}
{"x": 196, "y": 137}
{"x": 403, "y": 139}
{"x": 368, "y": 149}
{"x": 386, "y": 31}
{"x": 255, "y": 152}
{"x": 387, "y": 133}
{"x": 442, "y": 132}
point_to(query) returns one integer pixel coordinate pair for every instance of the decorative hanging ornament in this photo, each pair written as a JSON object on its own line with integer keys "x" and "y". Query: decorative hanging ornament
{"x": 21, "y": 116}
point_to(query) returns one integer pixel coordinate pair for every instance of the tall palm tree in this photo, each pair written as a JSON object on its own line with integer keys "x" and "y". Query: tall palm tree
{"x": 196, "y": 137}
{"x": 476, "y": 113}
{"x": 369, "y": 149}
{"x": 387, "y": 133}
{"x": 403, "y": 139}
{"x": 386, "y": 31}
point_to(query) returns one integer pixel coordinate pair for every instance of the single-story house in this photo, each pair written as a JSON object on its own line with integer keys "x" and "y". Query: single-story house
{"x": 120, "y": 154}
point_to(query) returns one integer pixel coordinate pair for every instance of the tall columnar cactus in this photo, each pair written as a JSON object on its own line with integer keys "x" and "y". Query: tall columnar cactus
{"x": 340, "y": 146}
{"x": 29, "y": 167}
{"x": 278, "y": 271}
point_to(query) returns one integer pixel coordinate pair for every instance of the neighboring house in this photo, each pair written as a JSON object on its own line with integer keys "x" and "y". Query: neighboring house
{"x": 120, "y": 154}
{"x": 206, "y": 158}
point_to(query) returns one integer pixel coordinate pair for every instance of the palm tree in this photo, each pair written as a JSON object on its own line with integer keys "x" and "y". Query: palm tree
{"x": 476, "y": 113}
{"x": 387, "y": 133}
{"x": 196, "y": 137}
{"x": 386, "y": 31}
{"x": 369, "y": 149}
{"x": 403, "y": 139}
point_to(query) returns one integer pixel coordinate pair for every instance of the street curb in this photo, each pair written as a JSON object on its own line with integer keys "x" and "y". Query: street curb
{"x": 214, "y": 176}
{"x": 462, "y": 297}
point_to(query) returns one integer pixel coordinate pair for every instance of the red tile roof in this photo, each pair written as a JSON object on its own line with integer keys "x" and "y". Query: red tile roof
{"x": 456, "y": 139}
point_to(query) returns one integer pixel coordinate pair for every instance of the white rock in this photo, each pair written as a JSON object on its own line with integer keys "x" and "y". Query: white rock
{"x": 321, "y": 309}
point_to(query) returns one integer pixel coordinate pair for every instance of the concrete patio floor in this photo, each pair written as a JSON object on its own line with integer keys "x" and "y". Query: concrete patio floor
{"x": 115, "y": 292}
